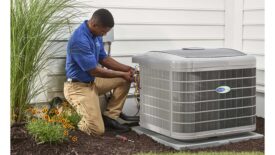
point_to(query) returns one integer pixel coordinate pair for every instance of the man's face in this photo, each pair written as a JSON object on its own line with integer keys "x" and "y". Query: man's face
{"x": 100, "y": 30}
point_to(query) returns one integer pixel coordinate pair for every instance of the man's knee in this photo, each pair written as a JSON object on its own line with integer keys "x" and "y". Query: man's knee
{"x": 93, "y": 128}
{"x": 99, "y": 130}
{"x": 124, "y": 83}
{"x": 121, "y": 81}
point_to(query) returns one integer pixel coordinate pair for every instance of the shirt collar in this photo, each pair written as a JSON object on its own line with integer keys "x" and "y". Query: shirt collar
{"x": 86, "y": 28}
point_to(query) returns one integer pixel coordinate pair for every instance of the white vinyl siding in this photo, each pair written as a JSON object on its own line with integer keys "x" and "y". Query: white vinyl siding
{"x": 145, "y": 25}
{"x": 253, "y": 43}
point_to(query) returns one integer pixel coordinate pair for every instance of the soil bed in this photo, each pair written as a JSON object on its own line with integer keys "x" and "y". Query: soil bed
{"x": 22, "y": 143}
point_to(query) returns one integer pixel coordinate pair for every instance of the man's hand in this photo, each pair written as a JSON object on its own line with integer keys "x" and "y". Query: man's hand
{"x": 132, "y": 71}
{"x": 106, "y": 73}
{"x": 128, "y": 76}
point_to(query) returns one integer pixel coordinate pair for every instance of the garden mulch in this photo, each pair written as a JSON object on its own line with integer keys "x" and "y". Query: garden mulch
{"x": 22, "y": 143}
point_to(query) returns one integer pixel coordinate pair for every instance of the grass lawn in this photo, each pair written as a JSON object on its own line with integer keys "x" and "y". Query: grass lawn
{"x": 205, "y": 153}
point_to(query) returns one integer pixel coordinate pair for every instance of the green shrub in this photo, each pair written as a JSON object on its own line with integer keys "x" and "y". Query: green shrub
{"x": 34, "y": 23}
{"x": 52, "y": 126}
{"x": 44, "y": 131}
{"x": 74, "y": 118}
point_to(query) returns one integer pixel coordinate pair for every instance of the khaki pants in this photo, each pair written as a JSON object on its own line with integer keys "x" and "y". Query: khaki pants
{"x": 85, "y": 99}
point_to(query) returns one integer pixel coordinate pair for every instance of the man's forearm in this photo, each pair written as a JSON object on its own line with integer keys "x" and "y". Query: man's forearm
{"x": 114, "y": 65}
{"x": 105, "y": 73}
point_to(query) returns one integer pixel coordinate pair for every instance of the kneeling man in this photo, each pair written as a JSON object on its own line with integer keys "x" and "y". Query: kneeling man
{"x": 86, "y": 80}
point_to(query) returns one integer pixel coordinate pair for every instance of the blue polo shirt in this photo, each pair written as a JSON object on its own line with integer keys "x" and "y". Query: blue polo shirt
{"x": 84, "y": 51}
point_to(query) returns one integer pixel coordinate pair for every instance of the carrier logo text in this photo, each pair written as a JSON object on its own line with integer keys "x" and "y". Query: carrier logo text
{"x": 223, "y": 89}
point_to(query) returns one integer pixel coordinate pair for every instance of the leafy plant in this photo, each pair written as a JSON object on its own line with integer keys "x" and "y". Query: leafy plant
{"x": 70, "y": 114}
{"x": 44, "y": 131}
{"x": 54, "y": 128}
{"x": 34, "y": 23}
{"x": 73, "y": 118}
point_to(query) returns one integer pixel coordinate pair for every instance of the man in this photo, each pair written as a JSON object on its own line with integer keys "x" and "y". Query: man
{"x": 86, "y": 80}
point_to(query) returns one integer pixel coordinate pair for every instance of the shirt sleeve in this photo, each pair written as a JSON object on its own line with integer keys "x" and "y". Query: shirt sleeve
{"x": 102, "y": 53}
{"x": 83, "y": 55}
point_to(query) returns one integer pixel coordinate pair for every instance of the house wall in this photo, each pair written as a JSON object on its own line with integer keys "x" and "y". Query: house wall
{"x": 253, "y": 43}
{"x": 144, "y": 25}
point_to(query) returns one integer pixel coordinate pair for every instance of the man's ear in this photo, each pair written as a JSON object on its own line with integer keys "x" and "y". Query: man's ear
{"x": 93, "y": 24}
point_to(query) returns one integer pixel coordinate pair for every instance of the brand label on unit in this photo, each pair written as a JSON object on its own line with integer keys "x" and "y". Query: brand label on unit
{"x": 223, "y": 89}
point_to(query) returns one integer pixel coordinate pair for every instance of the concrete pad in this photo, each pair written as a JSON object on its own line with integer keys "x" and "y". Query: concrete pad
{"x": 210, "y": 142}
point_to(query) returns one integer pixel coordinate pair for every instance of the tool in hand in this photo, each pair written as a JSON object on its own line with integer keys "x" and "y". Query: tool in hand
{"x": 123, "y": 138}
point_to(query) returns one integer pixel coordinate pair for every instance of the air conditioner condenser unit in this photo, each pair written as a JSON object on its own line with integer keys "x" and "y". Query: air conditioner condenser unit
{"x": 195, "y": 93}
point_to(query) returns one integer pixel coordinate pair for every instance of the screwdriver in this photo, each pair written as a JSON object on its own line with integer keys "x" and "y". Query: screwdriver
{"x": 123, "y": 138}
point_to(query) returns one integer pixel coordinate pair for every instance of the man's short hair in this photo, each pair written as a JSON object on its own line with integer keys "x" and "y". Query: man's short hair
{"x": 104, "y": 18}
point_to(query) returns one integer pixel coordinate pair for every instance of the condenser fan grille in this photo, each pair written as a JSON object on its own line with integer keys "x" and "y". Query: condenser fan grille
{"x": 196, "y": 104}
